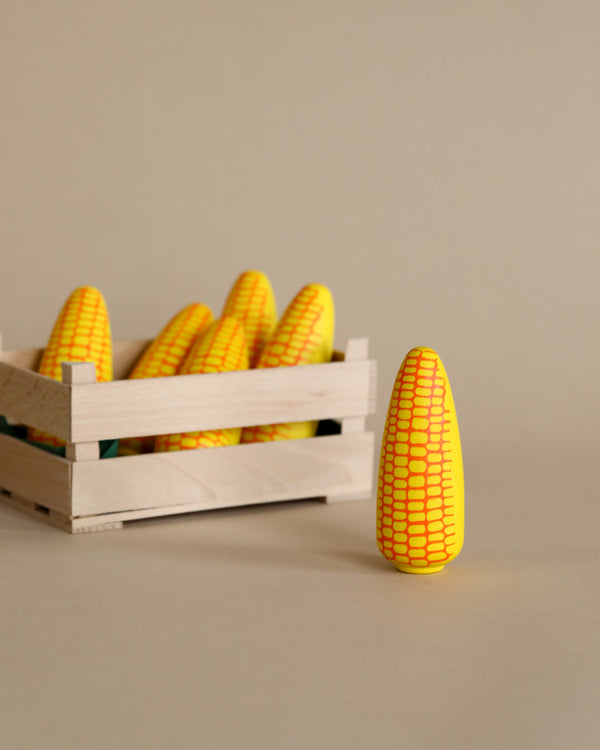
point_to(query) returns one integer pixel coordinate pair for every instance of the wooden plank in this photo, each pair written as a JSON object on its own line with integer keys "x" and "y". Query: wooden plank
{"x": 38, "y": 511}
{"x": 35, "y": 474}
{"x": 156, "y": 406}
{"x": 26, "y": 359}
{"x": 225, "y": 477}
{"x": 125, "y": 355}
{"x": 58, "y": 520}
{"x": 122, "y": 517}
{"x": 80, "y": 373}
{"x": 35, "y": 400}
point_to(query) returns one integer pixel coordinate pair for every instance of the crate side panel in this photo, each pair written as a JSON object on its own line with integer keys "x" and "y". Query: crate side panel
{"x": 26, "y": 359}
{"x": 35, "y": 474}
{"x": 185, "y": 403}
{"x": 126, "y": 354}
{"x": 225, "y": 477}
{"x": 34, "y": 400}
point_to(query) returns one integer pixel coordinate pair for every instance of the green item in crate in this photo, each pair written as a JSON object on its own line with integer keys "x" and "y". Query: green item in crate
{"x": 108, "y": 448}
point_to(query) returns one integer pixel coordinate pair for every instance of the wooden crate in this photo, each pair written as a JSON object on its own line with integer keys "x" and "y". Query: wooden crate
{"x": 84, "y": 493}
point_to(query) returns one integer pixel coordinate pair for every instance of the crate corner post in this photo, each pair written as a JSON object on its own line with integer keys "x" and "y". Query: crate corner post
{"x": 75, "y": 374}
{"x": 357, "y": 350}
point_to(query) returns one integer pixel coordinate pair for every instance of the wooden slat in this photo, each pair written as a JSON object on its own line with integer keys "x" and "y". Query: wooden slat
{"x": 34, "y": 400}
{"x": 38, "y": 511}
{"x": 35, "y": 474}
{"x": 125, "y": 355}
{"x": 26, "y": 359}
{"x": 58, "y": 520}
{"x": 108, "y": 521}
{"x": 156, "y": 406}
{"x": 225, "y": 477}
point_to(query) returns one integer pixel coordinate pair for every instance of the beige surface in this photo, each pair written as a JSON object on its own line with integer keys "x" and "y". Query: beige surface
{"x": 437, "y": 165}
{"x": 282, "y": 627}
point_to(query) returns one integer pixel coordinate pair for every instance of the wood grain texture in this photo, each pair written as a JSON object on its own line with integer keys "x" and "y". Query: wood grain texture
{"x": 82, "y": 495}
{"x": 80, "y": 373}
{"x": 225, "y": 477}
{"x": 35, "y": 400}
{"x": 35, "y": 474}
{"x": 185, "y": 403}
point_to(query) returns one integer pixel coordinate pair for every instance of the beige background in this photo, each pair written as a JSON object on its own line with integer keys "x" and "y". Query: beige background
{"x": 437, "y": 165}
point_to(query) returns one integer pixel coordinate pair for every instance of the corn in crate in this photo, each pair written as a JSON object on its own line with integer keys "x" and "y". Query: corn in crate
{"x": 83, "y": 492}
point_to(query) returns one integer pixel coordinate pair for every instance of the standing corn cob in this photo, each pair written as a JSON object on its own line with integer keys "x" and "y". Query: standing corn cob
{"x": 164, "y": 356}
{"x": 420, "y": 493}
{"x": 304, "y": 336}
{"x": 251, "y": 301}
{"x": 220, "y": 348}
{"x": 81, "y": 333}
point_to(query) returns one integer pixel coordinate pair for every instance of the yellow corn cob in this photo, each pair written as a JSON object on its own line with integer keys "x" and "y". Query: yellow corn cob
{"x": 420, "y": 492}
{"x": 304, "y": 336}
{"x": 164, "y": 356}
{"x": 220, "y": 348}
{"x": 251, "y": 301}
{"x": 81, "y": 333}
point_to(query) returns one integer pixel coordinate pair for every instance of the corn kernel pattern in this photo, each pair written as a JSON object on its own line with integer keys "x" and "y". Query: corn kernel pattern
{"x": 81, "y": 333}
{"x": 222, "y": 347}
{"x": 303, "y": 336}
{"x": 167, "y": 352}
{"x": 164, "y": 356}
{"x": 252, "y": 302}
{"x": 420, "y": 493}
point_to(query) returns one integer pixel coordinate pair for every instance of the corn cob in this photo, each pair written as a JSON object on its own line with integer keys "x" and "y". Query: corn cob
{"x": 221, "y": 347}
{"x": 81, "y": 333}
{"x": 303, "y": 336}
{"x": 164, "y": 356}
{"x": 420, "y": 492}
{"x": 251, "y": 301}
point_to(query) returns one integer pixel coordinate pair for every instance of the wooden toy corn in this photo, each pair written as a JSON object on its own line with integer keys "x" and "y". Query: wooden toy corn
{"x": 81, "y": 333}
{"x": 251, "y": 301}
{"x": 304, "y": 336}
{"x": 420, "y": 493}
{"x": 220, "y": 348}
{"x": 164, "y": 356}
